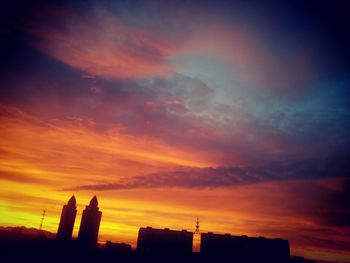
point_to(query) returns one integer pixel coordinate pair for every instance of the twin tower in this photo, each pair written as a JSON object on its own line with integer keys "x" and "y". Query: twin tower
{"x": 89, "y": 226}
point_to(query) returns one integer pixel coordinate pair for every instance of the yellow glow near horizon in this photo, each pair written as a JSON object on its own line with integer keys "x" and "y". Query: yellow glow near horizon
{"x": 39, "y": 161}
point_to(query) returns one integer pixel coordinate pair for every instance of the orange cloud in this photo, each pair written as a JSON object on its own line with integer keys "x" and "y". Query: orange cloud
{"x": 40, "y": 156}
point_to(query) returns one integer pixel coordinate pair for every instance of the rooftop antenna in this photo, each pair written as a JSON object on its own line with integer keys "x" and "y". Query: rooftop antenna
{"x": 197, "y": 231}
{"x": 42, "y": 219}
{"x": 196, "y": 238}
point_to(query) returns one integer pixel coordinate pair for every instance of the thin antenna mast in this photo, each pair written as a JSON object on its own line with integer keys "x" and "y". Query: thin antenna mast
{"x": 42, "y": 219}
{"x": 196, "y": 238}
{"x": 197, "y": 231}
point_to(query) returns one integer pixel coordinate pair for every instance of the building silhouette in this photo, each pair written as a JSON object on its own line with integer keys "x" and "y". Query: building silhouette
{"x": 90, "y": 223}
{"x": 118, "y": 248}
{"x": 69, "y": 212}
{"x": 164, "y": 241}
{"x": 153, "y": 245}
{"x": 301, "y": 260}
{"x": 244, "y": 248}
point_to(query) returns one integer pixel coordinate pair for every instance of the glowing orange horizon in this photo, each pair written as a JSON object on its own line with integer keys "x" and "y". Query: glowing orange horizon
{"x": 41, "y": 160}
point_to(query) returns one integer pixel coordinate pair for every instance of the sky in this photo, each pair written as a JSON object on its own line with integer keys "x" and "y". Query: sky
{"x": 236, "y": 112}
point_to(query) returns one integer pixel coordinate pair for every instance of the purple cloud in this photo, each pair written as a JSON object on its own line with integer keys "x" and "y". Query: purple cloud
{"x": 210, "y": 177}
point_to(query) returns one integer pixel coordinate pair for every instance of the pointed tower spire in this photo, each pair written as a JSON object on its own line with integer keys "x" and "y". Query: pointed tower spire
{"x": 94, "y": 202}
{"x": 72, "y": 202}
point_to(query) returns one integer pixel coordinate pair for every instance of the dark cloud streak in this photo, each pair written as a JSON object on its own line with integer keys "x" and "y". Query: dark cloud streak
{"x": 210, "y": 177}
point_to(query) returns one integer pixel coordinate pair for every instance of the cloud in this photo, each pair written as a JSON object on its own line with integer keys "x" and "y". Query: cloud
{"x": 185, "y": 112}
{"x": 100, "y": 44}
{"x": 221, "y": 116}
{"x": 211, "y": 177}
{"x": 140, "y": 45}
{"x": 335, "y": 209}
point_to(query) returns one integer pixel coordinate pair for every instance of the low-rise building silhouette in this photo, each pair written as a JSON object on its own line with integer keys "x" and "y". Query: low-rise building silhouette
{"x": 301, "y": 260}
{"x": 244, "y": 248}
{"x": 164, "y": 241}
{"x": 118, "y": 248}
{"x": 90, "y": 223}
{"x": 65, "y": 228}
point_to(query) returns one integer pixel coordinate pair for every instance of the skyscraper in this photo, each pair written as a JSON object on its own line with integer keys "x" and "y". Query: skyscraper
{"x": 90, "y": 223}
{"x": 65, "y": 228}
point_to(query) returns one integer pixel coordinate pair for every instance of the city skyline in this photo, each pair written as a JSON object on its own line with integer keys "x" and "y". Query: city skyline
{"x": 167, "y": 242}
{"x": 156, "y": 245}
{"x": 233, "y": 112}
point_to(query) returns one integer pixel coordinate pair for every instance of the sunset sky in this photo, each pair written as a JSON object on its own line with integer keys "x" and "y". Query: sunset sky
{"x": 234, "y": 112}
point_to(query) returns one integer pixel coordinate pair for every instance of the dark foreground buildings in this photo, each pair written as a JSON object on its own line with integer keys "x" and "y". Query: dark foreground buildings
{"x": 164, "y": 242}
{"x": 244, "y": 249}
{"x": 153, "y": 245}
{"x": 19, "y": 247}
{"x": 90, "y": 224}
{"x": 69, "y": 212}
{"x": 120, "y": 248}
{"x": 177, "y": 246}
{"x": 158, "y": 244}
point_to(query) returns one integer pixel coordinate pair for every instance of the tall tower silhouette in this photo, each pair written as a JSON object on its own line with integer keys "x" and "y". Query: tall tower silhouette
{"x": 197, "y": 231}
{"x": 90, "y": 223}
{"x": 196, "y": 238}
{"x": 65, "y": 228}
